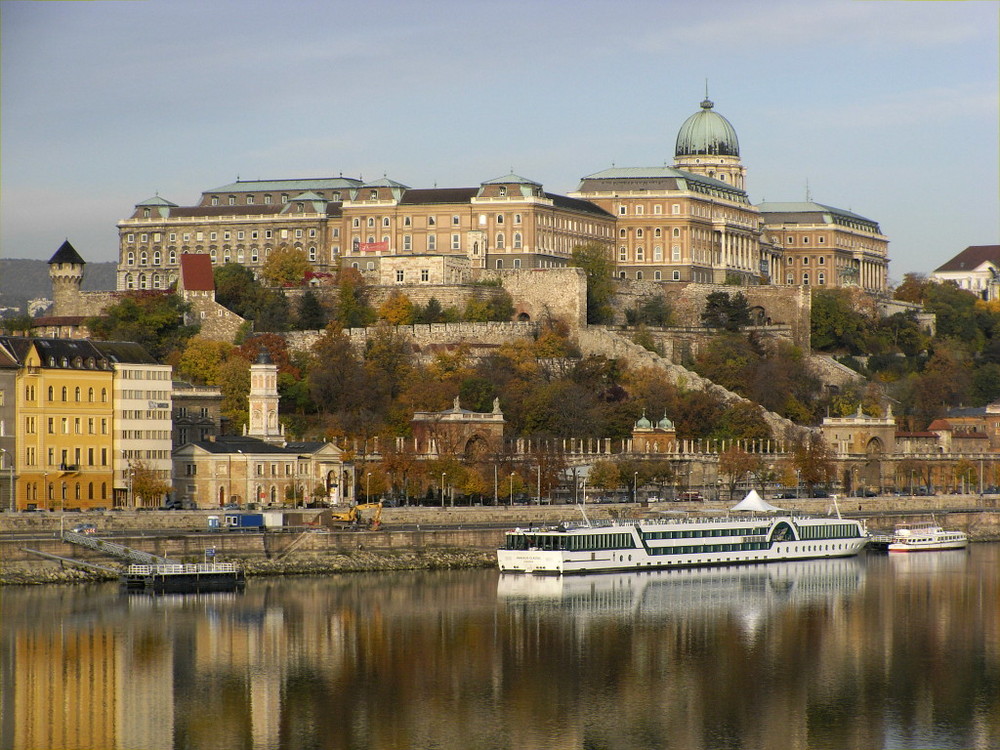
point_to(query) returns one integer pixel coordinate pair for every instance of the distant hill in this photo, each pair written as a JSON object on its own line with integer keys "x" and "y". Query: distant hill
{"x": 23, "y": 279}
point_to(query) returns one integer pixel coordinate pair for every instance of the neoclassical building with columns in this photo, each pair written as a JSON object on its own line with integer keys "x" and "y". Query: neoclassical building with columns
{"x": 690, "y": 222}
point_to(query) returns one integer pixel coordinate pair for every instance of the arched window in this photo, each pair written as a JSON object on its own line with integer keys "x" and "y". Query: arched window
{"x": 65, "y": 393}
{"x": 638, "y": 275}
{"x": 143, "y": 258}
{"x": 104, "y": 395}
{"x": 52, "y": 394}
{"x": 500, "y": 241}
{"x": 90, "y": 394}
{"x": 143, "y": 282}
{"x": 77, "y": 393}
{"x": 130, "y": 258}
{"x": 156, "y": 257}
{"x": 90, "y": 491}
{"x": 517, "y": 240}
{"x": 129, "y": 282}
{"x": 172, "y": 257}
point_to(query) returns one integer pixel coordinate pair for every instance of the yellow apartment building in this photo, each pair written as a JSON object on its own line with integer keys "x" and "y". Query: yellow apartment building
{"x": 64, "y": 424}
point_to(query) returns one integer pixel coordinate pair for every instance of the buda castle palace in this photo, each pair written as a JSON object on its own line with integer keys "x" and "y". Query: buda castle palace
{"x": 692, "y": 222}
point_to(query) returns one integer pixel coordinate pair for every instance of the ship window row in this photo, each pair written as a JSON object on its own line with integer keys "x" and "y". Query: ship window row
{"x": 697, "y": 549}
{"x": 830, "y": 531}
{"x": 570, "y": 543}
{"x": 703, "y": 533}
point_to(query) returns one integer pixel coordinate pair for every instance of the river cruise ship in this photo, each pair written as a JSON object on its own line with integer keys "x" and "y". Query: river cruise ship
{"x": 645, "y": 545}
{"x": 926, "y": 539}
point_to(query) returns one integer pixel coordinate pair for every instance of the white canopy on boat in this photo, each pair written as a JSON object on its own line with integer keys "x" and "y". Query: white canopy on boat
{"x": 754, "y": 502}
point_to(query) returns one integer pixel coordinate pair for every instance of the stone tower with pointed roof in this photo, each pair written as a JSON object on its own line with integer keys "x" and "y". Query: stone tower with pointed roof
{"x": 263, "y": 402}
{"x": 66, "y": 274}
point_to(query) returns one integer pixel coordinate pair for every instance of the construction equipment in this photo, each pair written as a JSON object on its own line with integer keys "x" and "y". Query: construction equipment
{"x": 352, "y": 518}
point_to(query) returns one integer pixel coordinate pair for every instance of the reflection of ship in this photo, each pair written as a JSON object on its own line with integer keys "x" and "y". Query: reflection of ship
{"x": 645, "y": 545}
{"x": 950, "y": 560}
{"x": 751, "y": 590}
{"x": 926, "y": 538}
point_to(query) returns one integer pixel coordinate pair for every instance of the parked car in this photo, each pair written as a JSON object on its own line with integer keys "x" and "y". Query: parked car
{"x": 785, "y": 496}
{"x": 84, "y": 528}
{"x": 694, "y": 496}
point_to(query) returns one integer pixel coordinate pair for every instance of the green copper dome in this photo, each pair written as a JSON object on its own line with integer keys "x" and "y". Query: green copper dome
{"x": 707, "y": 133}
{"x": 643, "y": 423}
{"x": 665, "y": 424}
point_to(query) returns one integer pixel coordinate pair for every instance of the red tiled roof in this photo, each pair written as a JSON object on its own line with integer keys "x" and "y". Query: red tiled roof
{"x": 196, "y": 273}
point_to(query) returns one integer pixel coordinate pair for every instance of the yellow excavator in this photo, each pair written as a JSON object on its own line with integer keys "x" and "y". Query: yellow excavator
{"x": 352, "y": 518}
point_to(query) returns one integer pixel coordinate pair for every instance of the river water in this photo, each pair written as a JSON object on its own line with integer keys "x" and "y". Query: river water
{"x": 878, "y": 651}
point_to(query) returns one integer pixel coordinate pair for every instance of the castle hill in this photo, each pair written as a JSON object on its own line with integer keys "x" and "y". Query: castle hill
{"x": 324, "y": 351}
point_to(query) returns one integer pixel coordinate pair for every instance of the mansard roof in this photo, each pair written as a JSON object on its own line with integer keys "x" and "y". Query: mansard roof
{"x": 636, "y": 179}
{"x": 299, "y": 184}
{"x": 124, "y": 352}
{"x": 577, "y": 204}
{"x": 808, "y": 212}
{"x": 418, "y": 196}
{"x": 511, "y": 179}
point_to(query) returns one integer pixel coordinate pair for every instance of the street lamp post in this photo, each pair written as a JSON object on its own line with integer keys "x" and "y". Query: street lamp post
{"x": 539, "y": 488}
{"x": 512, "y": 489}
{"x": 635, "y": 486}
{"x": 443, "y": 475}
{"x": 368, "y": 488}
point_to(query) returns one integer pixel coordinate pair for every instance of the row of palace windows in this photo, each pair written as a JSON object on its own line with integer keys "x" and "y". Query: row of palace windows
{"x": 228, "y": 235}
{"x": 657, "y": 275}
{"x": 675, "y": 209}
{"x": 640, "y": 254}
{"x": 269, "y": 199}
{"x": 820, "y": 279}
{"x": 657, "y": 232}
{"x": 31, "y": 491}
{"x": 820, "y": 261}
{"x": 29, "y": 394}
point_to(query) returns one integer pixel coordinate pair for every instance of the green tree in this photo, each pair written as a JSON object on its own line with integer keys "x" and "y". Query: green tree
{"x": 353, "y": 309}
{"x": 728, "y": 311}
{"x": 151, "y": 318}
{"x": 836, "y": 325}
{"x": 237, "y": 289}
{"x": 652, "y": 311}
{"x": 595, "y": 260}
{"x": 311, "y": 314}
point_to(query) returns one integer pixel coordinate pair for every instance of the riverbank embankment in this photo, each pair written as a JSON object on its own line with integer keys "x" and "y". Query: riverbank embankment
{"x": 413, "y": 538}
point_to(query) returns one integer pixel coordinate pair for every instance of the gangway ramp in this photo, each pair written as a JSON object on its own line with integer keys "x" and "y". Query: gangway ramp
{"x": 134, "y": 556}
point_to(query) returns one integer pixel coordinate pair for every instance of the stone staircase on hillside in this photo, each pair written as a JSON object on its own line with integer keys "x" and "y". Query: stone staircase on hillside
{"x": 600, "y": 341}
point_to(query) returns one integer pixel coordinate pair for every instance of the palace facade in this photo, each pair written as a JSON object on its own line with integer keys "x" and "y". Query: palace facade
{"x": 692, "y": 222}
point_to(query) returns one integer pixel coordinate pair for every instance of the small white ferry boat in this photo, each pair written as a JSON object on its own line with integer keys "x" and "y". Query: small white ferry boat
{"x": 926, "y": 539}
{"x": 678, "y": 543}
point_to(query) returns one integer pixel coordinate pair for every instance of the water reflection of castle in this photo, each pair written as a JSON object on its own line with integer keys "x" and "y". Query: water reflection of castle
{"x": 744, "y": 590}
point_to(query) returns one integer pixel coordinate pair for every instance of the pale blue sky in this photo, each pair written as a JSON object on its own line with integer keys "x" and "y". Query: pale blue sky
{"x": 889, "y": 109}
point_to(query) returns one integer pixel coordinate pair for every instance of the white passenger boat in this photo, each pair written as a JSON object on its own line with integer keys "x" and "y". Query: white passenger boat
{"x": 645, "y": 545}
{"x": 926, "y": 539}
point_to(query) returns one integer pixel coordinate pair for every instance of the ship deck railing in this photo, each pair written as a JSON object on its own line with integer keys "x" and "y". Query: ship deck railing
{"x": 181, "y": 569}
{"x": 603, "y": 524}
